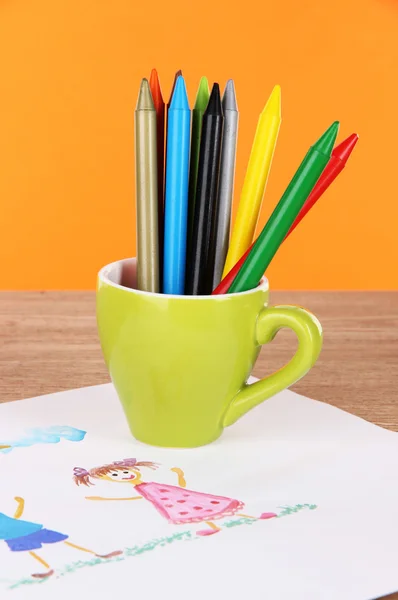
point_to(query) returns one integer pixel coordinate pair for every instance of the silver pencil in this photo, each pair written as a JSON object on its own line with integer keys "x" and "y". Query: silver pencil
{"x": 227, "y": 177}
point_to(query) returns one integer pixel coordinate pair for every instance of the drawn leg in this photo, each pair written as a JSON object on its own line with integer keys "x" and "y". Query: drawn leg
{"x": 110, "y": 555}
{"x": 211, "y": 531}
{"x": 42, "y": 562}
{"x": 262, "y": 517}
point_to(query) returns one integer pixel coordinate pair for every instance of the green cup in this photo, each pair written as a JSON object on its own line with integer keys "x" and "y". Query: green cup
{"x": 180, "y": 363}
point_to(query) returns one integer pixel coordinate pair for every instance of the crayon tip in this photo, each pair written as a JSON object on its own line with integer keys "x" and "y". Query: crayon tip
{"x": 176, "y": 76}
{"x": 229, "y": 97}
{"x": 179, "y": 100}
{"x": 273, "y": 106}
{"x": 344, "y": 149}
{"x": 154, "y": 85}
{"x": 326, "y": 142}
{"x": 202, "y": 97}
{"x": 214, "y": 106}
{"x": 145, "y": 101}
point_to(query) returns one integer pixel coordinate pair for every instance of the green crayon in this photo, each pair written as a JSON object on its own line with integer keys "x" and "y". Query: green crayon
{"x": 285, "y": 212}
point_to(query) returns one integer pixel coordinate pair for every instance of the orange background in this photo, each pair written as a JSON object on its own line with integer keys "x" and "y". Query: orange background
{"x": 70, "y": 72}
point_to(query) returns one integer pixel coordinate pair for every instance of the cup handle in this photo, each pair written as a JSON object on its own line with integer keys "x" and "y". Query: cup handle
{"x": 270, "y": 320}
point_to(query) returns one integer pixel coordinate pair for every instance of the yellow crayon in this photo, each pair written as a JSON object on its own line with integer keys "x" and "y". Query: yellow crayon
{"x": 255, "y": 180}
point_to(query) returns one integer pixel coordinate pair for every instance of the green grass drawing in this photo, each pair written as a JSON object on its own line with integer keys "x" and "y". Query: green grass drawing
{"x": 134, "y": 551}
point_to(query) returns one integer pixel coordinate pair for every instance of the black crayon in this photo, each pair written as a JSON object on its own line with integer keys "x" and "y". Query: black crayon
{"x": 200, "y": 265}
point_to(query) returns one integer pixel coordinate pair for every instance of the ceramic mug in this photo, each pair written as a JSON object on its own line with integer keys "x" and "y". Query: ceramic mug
{"x": 180, "y": 363}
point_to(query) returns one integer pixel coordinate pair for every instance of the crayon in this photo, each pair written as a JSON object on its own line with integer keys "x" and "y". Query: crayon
{"x": 176, "y": 76}
{"x": 226, "y": 183}
{"x": 201, "y": 260}
{"x": 158, "y": 102}
{"x": 256, "y": 179}
{"x": 146, "y": 191}
{"x": 285, "y": 212}
{"x": 336, "y": 164}
{"x": 176, "y": 196}
{"x": 202, "y": 98}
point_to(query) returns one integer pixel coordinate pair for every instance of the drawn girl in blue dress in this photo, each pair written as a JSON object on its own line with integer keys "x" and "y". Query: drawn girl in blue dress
{"x": 25, "y": 536}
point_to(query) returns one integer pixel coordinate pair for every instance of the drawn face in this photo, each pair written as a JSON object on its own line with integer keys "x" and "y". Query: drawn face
{"x": 127, "y": 475}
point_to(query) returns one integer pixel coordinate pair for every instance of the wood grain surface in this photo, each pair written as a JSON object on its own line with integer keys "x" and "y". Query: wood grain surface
{"x": 49, "y": 343}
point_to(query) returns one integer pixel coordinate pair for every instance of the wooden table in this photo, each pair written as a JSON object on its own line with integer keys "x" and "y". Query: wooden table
{"x": 48, "y": 343}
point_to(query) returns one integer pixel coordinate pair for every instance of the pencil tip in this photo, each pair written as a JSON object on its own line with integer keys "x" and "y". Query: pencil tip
{"x": 214, "y": 105}
{"x": 344, "y": 149}
{"x": 179, "y": 99}
{"x": 326, "y": 142}
{"x": 273, "y": 106}
{"x": 202, "y": 96}
{"x": 229, "y": 97}
{"x": 145, "y": 100}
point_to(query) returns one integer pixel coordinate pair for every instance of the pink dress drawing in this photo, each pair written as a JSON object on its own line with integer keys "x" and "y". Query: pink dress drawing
{"x": 180, "y": 505}
{"x": 177, "y": 504}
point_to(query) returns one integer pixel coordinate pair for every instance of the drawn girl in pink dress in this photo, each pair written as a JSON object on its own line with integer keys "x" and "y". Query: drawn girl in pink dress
{"x": 177, "y": 504}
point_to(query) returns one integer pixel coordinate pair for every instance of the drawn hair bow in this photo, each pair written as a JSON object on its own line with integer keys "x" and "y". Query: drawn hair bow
{"x": 127, "y": 462}
{"x": 79, "y": 472}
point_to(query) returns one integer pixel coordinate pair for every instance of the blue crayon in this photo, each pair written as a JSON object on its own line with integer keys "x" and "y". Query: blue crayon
{"x": 176, "y": 195}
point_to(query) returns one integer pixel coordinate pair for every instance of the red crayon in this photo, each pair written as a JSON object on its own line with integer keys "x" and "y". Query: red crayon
{"x": 336, "y": 164}
{"x": 159, "y": 107}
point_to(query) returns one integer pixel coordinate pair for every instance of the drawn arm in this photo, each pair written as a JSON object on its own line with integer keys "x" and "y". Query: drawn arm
{"x": 110, "y": 499}
{"x": 181, "y": 477}
{"x": 20, "y": 508}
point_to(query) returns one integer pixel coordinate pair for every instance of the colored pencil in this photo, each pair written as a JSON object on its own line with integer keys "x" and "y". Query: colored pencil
{"x": 336, "y": 164}
{"x": 202, "y": 98}
{"x": 158, "y": 102}
{"x": 285, "y": 212}
{"x": 256, "y": 179}
{"x": 146, "y": 191}
{"x": 226, "y": 183}
{"x": 176, "y": 197}
{"x": 201, "y": 262}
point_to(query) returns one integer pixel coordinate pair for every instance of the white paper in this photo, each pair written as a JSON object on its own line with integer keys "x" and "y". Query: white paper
{"x": 331, "y": 479}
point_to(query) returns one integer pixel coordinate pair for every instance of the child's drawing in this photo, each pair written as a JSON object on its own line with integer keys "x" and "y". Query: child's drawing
{"x": 177, "y": 504}
{"x": 25, "y": 536}
{"x": 138, "y": 550}
{"x": 43, "y": 435}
